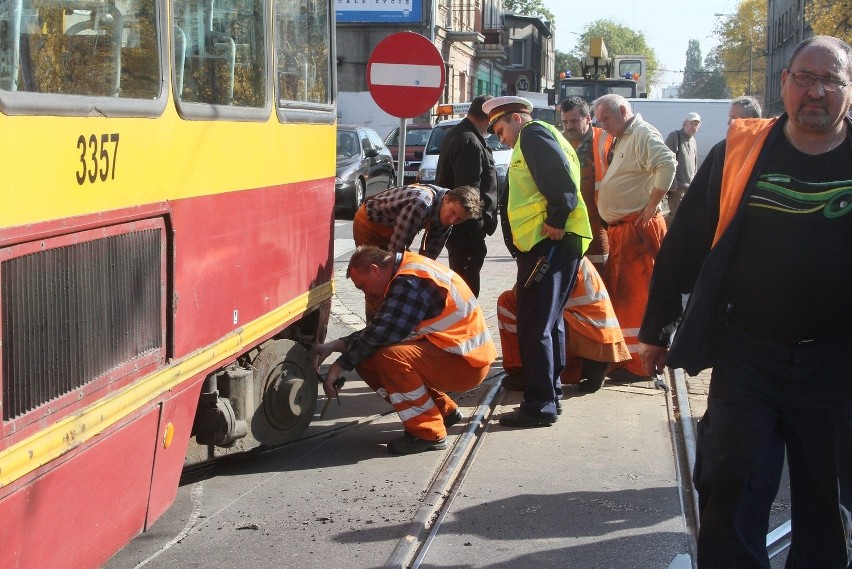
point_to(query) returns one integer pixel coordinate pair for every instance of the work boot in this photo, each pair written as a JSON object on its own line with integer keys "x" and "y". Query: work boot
{"x": 453, "y": 418}
{"x": 409, "y": 444}
{"x": 621, "y": 375}
{"x": 518, "y": 418}
{"x": 594, "y": 374}
{"x": 514, "y": 382}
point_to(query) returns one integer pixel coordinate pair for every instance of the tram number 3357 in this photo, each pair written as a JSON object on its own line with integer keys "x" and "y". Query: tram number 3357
{"x": 97, "y": 157}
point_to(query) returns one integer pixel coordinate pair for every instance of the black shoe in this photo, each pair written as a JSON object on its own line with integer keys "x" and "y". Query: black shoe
{"x": 621, "y": 375}
{"x": 558, "y": 407}
{"x": 453, "y": 418}
{"x": 514, "y": 382}
{"x": 594, "y": 374}
{"x": 409, "y": 444}
{"x": 518, "y": 418}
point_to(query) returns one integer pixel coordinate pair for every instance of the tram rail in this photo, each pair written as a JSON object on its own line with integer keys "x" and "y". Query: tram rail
{"x": 413, "y": 546}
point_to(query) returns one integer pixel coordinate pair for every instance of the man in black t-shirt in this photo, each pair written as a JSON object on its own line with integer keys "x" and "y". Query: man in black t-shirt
{"x": 762, "y": 242}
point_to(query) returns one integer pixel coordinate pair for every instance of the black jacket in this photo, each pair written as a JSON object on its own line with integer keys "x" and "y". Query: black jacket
{"x": 466, "y": 160}
{"x": 686, "y": 264}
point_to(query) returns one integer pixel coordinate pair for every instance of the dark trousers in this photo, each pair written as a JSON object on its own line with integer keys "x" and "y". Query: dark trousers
{"x": 541, "y": 329}
{"x": 466, "y": 250}
{"x": 764, "y": 398}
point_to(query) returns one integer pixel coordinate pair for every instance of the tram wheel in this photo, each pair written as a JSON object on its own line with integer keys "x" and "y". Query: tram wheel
{"x": 286, "y": 387}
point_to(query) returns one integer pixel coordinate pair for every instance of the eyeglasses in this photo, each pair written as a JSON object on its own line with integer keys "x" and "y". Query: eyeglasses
{"x": 805, "y": 79}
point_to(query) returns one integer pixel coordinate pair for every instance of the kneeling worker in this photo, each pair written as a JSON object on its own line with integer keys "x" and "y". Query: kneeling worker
{"x": 428, "y": 337}
{"x": 391, "y": 219}
{"x": 593, "y": 338}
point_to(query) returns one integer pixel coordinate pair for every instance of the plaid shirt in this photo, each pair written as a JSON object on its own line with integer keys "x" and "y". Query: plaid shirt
{"x": 409, "y": 301}
{"x": 408, "y": 209}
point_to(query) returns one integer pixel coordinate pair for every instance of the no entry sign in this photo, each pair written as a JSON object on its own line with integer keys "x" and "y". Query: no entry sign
{"x": 405, "y": 74}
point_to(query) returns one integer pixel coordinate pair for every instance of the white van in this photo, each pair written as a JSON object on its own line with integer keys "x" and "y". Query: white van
{"x": 668, "y": 114}
{"x": 426, "y": 175}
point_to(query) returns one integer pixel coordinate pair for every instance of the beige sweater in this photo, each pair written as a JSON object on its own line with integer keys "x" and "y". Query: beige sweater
{"x": 641, "y": 162}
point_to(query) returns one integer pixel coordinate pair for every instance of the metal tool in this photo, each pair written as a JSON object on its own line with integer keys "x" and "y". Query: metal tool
{"x": 338, "y": 385}
{"x": 660, "y": 382}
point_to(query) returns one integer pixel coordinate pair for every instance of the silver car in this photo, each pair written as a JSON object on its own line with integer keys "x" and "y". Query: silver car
{"x": 502, "y": 154}
{"x": 364, "y": 167}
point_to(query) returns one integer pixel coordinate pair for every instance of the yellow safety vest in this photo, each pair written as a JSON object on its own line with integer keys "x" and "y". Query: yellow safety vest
{"x": 460, "y": 328}
{"x": 527, "y": 207}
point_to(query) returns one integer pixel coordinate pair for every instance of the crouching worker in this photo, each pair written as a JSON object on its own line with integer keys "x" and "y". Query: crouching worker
{"x": 391, "y": 219}
{"x": 428, "y": 337}
{"x": 593, "y": 336}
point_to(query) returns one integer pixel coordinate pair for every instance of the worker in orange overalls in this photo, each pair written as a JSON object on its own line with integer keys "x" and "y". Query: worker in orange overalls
{"x": 593, "y": 336}
{"x": 428, "y": 337}
{"x": 640, "y": 172}
{"x": 591, "y": 145}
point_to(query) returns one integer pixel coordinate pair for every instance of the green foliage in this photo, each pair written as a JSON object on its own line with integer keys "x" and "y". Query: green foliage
{"x": 701, "y": 81}
{"x": 529, "y": 8}
{"x": 567, "y": 62}
{"x": 620, "y": 40}
{"x": 830, "y": 18}
{"x": 740, "y": 53}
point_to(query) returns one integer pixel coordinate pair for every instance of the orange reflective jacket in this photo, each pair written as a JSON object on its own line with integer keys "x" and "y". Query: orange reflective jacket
{"x": 460, "y": 328}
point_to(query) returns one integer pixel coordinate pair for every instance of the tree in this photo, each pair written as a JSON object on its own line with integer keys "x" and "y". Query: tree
{"x": 742, "y": 36}
{"x": 620, "y": 40}
{"x": 701, "y": 81}
{"x": 566, "y": 62}
{"x": 693, "y": 72}
{"x": 830, "y": 18}
{"x": 715, "y": 86}
{"x": 529, "y": 8}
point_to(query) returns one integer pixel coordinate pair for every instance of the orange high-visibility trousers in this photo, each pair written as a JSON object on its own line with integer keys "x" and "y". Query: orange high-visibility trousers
{"x": 632, "y": 251}
{"x": 592, "y": 330}
{"x": 413, "y": 376}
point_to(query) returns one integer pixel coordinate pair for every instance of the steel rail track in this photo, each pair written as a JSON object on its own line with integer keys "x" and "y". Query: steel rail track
{"x": 684, "y": 443}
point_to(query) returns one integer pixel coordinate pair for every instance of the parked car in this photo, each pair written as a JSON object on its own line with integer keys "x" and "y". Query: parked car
{"x": 502, "y": 154}
{"x": 364, "y": 167}
{"x": 416, "y": 136}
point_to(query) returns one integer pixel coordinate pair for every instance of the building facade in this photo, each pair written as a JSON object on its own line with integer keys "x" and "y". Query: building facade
{"x": 786, "y": 27}
{"x": 474, "y": 37}
{"x": 529, "y": 41}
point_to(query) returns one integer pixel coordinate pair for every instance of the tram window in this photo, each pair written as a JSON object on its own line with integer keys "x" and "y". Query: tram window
{"x": 219, "y": 52}
{"x": 81, "y": 47}
{"x": 303, "y": 52}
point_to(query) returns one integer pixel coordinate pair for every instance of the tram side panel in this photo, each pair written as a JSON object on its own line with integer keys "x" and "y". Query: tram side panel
{"x": 165, "y": 275}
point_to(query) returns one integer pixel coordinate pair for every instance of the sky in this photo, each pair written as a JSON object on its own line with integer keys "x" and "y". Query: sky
{"x": 668, "y": 25}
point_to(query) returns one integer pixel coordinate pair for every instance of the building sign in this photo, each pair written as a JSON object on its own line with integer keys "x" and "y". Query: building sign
{"x": 379, "y": 11}
{"x": 522, "y": 84}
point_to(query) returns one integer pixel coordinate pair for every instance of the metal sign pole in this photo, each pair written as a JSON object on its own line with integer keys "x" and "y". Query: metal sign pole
{"x": 400, "y": 152}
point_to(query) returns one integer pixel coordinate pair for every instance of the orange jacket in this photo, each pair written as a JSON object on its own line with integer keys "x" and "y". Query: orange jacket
{"x": 744, "y": 142}
{"x": 593, "y": 315}
{"x": 601, "y": 143}
{"x": 460, "y": 328}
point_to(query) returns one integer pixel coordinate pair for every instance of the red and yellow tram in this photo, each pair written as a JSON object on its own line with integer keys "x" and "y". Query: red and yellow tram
{"x": 165, "y": 252}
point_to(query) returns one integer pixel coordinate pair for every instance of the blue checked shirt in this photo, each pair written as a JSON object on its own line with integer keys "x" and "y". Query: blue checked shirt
{"x": 409, "y": 301}
{"x": 408, "y": 209}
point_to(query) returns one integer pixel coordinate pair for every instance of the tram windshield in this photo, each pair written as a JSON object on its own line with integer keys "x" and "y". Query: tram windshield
{"x": 80, "y": 47}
